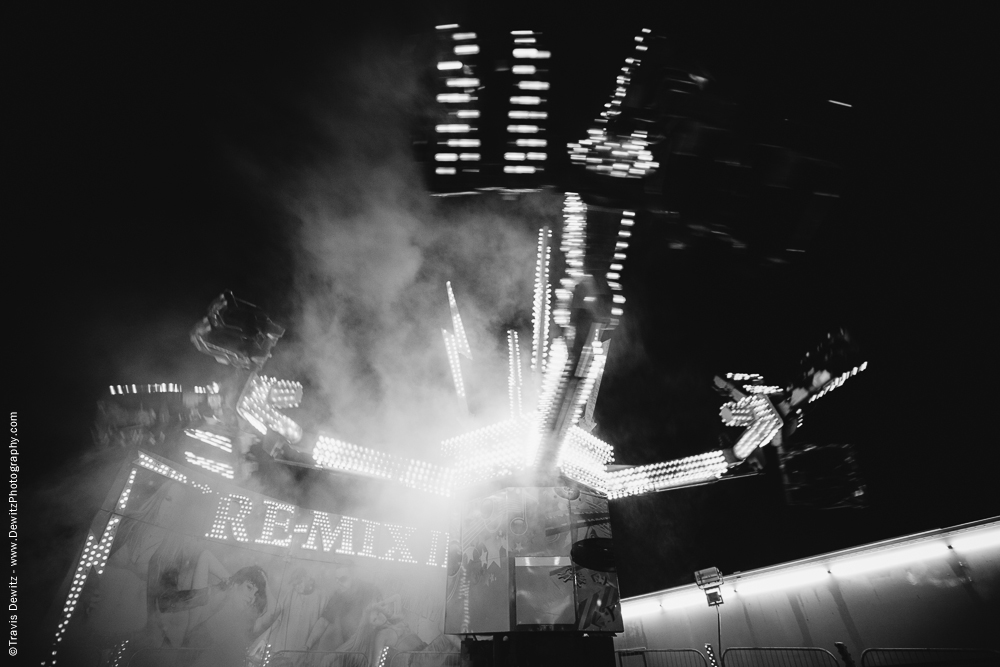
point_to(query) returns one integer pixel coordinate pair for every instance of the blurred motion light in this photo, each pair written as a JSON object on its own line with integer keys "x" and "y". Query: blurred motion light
{"x": 217, "y": 467}
{"x": 453, "y": 98}
{"x": 531, "y": 53}
{"x": 667, "y": 474}
{"x": 838, "y": 381}
{"x": 527, "y": 115}
{"x": 213, "y": 439}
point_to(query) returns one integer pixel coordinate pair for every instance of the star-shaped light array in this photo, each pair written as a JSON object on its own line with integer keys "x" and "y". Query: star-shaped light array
{"x": 549, "y": 437}
{"x": 528, "y": 439}
{"x": 608, "y": 153}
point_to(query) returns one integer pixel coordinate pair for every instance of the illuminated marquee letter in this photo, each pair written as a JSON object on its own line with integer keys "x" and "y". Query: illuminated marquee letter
{"x": 368, "y": 541}
{"x": 439, "y": 549}
{"x": 232, "y": 513}
{"x": 400, "y": 550}
{"x": 271, "y": 522}
{"x": 342, "y": 536}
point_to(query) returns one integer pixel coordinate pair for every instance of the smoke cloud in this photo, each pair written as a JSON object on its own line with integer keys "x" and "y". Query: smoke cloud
{"x": 372, "y": 254}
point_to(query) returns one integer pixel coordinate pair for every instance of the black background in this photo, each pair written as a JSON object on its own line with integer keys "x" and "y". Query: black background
{"x": 129, "y": 212}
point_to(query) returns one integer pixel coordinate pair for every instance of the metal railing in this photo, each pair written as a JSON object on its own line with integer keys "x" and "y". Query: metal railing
{"x": 660, "y": 657}
{"x": 778, "y": 656}
{"x": 317, "y": 659}
{"x": 425, "y": 659}
{"x": 944, "y": 657}
{"x": 182, "y": 657}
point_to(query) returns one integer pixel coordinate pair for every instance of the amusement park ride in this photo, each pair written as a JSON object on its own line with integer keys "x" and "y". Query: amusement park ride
{"x": 538, "y": 474}
{"x": 535, "y": 486}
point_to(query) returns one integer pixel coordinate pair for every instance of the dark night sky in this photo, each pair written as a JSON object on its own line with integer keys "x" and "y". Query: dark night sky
{"x": 145, "y": 140}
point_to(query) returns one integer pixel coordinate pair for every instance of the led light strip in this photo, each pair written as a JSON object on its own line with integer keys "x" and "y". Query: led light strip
{"x": 667, "y": 474}
{"x": 457, "y": 73}
{"x": 95, "y": 555}
{"x": 217, "y": 467}
{"x": 757, "y": 413}
{"x": 573, "y": 246}
{"x": 520, "y": 98}
{"x": 594, "y": 371}
{"x": 504, "y": 448}
{"x": 617, "y": 264}
{"x": 339, "y": 455}
{"x": 118, "y": 654}
{"x": 513, "y": 373}
{"x": 838, "y": 381}
{"x": 762, "y": 389}
{"x": 451, "y": 347}
{"x": 556, "y": 375}
{"x": 531, "y": 53}
{"x": 261, "y": 401}
{"x": 456, "y": 344}
{"x": 213, "y": 439}
{"x": 150, "y": 463}
{"x": 127, "y": 490}
{"x": 767, "y": 422}
{"x": 491, "y": 452}
{"x": 283, "y": 394}
{"x": 542, "y": 311}
{"x": 159, "y": 468}
{"x": 583, "y": 458}
{"x": 628, "y": 157}
{"x": 740, "y": 377}
{"x": 462, "y": 343}
{"x": 160, "y": 388}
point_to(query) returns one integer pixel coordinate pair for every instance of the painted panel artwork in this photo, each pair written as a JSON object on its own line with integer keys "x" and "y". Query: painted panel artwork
{"x": 478, "y": 572}
{"x": 189, "y": 571}
{"x": 511, "y": 567}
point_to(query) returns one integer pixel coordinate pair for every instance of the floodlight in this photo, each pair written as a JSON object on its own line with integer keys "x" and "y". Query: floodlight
{"x": 710, "y": 580}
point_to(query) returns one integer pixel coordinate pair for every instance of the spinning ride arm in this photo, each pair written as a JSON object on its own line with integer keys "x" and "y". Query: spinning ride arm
{"x": 575, "y": 377}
